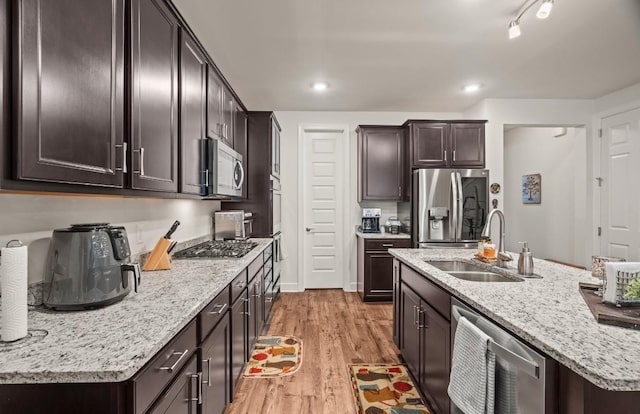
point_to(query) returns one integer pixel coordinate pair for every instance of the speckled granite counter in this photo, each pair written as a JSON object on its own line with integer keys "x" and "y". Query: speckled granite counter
{"x": 382, "y": 235}
{"x": 111, "y": 344}
{"x": 549, "y": 313}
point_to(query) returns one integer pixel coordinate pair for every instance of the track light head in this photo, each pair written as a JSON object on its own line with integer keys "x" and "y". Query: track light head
{"x": 545, "y": 9}
{"x": 514, "y": 29}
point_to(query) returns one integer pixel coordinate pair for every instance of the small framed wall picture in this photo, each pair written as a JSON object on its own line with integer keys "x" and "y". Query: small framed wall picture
{"x": 531, "y": 189}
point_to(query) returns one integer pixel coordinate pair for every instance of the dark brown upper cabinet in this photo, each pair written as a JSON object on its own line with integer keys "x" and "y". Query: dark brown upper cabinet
{"x": 467, "y": 144}
{"x": 69, "y": 100}
{"x": 154, "y": 96}
{"x": 381, "y": 163}
{"x": 193, "y": 108}
{"x": 228, "y": 117}
{"x": 441, "y": 144}
{"x": 215, "y": 88}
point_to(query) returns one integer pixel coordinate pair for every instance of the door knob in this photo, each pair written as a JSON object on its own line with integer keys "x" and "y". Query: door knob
{"x": 309, "y": 229}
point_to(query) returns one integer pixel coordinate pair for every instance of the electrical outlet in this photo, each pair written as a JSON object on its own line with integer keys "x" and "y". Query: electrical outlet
{"x": 139, "y": 234}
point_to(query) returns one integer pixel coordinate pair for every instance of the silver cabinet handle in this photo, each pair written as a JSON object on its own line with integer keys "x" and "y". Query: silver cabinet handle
{"x": 247, "y": 303}
{"x": 422, "y": 315}
{"x": 198, "y": 378}
{"x": 454, "y": 155}
{"x": 388, "y": 245}
{"x": 175, "y": 364}
{"x": 399, "y": 191}
{"x": 141, "y": 161}
{"x": 219, "y": 125}
{"x": 220, "y": 308}
{"x": 124, "y": 157}
{"x": 268, "y": 299}
{"x": 208, "y": 362}
{"x": 415, "y": 317}
{"x": 445, "y": 155}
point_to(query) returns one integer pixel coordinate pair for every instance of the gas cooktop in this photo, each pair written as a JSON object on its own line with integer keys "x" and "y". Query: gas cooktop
{"x": 217, "y": 248}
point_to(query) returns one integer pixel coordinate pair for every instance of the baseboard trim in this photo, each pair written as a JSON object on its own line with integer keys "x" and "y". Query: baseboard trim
{"x": 289, "y": 287}
{"x": 353, "y": 287}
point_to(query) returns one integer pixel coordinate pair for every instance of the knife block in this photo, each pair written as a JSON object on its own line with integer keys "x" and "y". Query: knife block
{"x": 159, "y": 258}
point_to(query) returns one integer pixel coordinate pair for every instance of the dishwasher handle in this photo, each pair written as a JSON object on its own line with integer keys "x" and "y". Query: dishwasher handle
{"x": 523, "y": 364}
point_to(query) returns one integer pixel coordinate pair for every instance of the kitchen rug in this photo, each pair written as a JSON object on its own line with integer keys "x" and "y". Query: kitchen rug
{"x": 274, "y": 356}
{"x": 385, "y": 389}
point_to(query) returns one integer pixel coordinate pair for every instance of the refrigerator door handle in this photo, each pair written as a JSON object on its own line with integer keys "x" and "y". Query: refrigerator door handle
{"x": 460, "y": 206}
{"x": 453, "y": 214}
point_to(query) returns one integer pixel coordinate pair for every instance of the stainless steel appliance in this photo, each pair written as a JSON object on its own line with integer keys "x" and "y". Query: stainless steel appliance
{"x": 88, "y": 266}
{"x": 448, "y": 207}
{"x": 525, "y": 379}
{"x": 217, "y": 249}
{"x": 232, "y": 225}
{"x": 371, "y": 220}
{"x": 223, "y": 172}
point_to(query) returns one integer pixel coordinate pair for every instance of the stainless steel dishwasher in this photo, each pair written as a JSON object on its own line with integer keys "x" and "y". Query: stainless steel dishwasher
{"x": 525, "y": 379}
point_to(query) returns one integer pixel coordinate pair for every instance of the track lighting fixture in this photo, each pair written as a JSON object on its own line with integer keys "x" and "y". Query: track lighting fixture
{"x": 543, "y": 12}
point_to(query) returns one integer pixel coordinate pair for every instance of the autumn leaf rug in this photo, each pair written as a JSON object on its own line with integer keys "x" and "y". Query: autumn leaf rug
{"x": 385, "y": 389}
{"x": 274, "y": 356}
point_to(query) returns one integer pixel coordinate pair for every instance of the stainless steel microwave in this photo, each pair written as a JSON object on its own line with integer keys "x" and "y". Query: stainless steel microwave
{"x": 223, "y": 171}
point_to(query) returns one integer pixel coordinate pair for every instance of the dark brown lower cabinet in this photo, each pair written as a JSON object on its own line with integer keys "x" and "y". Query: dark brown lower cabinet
{"x": 424, "y": 335}
{"x": 216, "y": 368}
{"x": 183, "y": 395}
{"x": 375, "y": 268}
{"x": 238, "y": 337}
{"x": 396, "y": 303}
{"x": 251, "y": 316}
{"x": 257, "y": 310}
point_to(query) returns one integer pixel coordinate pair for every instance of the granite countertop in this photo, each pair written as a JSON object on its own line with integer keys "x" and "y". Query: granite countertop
{"x": 549, "y": 313}
{"x": 382, "y": 235}
{"x": 111, "y": 344}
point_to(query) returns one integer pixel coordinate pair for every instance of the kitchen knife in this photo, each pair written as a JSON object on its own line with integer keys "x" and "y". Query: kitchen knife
{"x": 173, "y": 246}
{"x": 172, "y": 230}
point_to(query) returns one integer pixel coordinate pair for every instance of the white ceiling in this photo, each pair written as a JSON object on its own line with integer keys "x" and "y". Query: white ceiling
{"x": 415, "y": 55}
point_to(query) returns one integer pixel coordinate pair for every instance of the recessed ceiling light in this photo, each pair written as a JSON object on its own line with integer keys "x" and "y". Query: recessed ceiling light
{"x": 320, "y": 86}
{"x": 545, "y": 9}
{"x": 471, "y": 88}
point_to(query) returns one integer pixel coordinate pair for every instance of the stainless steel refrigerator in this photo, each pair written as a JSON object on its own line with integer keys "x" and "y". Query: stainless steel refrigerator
{"x": 448, "y": 207}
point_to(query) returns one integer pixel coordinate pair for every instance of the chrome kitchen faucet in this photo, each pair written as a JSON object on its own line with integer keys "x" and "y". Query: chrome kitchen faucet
{"x": 503, "y": 256}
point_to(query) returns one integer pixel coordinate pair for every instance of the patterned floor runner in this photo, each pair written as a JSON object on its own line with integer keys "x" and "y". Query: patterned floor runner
{"x": 274, "y": 356}
{"x": 385, "y": 389}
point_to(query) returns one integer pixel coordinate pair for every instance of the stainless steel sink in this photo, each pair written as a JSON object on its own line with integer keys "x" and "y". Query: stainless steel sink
{"x": 471, "y": 271}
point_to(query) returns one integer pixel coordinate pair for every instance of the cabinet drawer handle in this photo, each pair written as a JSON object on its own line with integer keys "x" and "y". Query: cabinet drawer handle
{"x": 454, "y": 155}
{"x": 388, "y": 245}
{"x": 445, "y": 155}
{"x": 175, "y": 364}
{"x": 208, "y": 362}
{"x": 220, "y": 308}
{"x": 198, "y": 378}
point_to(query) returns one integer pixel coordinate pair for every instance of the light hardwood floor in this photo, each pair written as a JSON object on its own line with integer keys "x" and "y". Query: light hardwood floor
{"x": 337, "y": 329}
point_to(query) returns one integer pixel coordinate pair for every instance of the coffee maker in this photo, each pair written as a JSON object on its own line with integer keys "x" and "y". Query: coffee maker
{"x": 371, "y": 220}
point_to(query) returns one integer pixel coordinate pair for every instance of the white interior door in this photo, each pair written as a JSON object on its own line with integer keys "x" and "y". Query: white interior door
{"x": 620, "y": 196}
{"x": 323, "y": 169}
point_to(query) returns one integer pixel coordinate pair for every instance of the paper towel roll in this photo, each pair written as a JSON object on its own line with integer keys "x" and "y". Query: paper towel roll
{"x": 13, "y": 276}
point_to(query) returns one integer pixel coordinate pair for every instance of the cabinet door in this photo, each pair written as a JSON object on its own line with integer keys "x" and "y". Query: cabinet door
{"x": 381, "y": 164}
{"x": 429, "y": 145}
{"x": 258, "y": 307}
{"x": 410, "y": 338}
{"x": 154, "y": 96}
{"x": 251, "y": 314}
{"x": 467, "y": 145}
{"x": 275, "y": 149}
{"x": 378, "y": 274}
{"x": 214, "y": 104}
{"x": 396, "y": 302}
{"x": 228, "y": 112}
{"x": 216, "y": 364}
{"x": 238, "y": 338}
{"x": 193, "y": 105}
{"x": 69, "y": 95}
{"x": 435, "y": 365}
{"x": 240, "y": 144}
{"x": 182, "y": 396}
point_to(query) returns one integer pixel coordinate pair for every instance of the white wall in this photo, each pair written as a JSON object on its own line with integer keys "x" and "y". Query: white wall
{"x": 555, "y": 228}
{"x": 31, "y": 218}
{"x": 536, "y": 112}
{"x": 290, "y": 121}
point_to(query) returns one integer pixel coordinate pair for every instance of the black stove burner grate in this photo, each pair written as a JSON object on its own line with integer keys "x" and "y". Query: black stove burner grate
{"x": 217, "y": 248}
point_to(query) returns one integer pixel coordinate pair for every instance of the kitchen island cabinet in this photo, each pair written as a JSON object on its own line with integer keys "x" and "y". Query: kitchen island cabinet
{"x": 174, "y": 356}
{"x": 584, "y": 374}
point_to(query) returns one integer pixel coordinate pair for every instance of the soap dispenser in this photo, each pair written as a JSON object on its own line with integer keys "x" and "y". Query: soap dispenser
{"x": 525, "y": 261}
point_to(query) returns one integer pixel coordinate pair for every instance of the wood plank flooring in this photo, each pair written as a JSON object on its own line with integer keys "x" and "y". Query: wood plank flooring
{"x": 336, "y": 329}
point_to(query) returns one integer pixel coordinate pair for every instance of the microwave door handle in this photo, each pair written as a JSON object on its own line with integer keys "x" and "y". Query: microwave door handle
{"x": 239, "y": 186}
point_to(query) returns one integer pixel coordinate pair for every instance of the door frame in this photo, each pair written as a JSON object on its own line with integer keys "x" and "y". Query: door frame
{"x": 343, "y": 266}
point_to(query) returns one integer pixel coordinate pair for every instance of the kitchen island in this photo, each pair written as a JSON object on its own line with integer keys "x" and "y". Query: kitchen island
{"x": 107, "y": 349}
{"x": 549, "y": 314}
